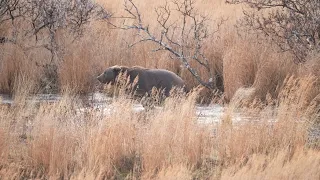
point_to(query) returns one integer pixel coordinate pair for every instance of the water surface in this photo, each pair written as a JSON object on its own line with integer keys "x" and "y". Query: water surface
{"x": 205, "y": 114}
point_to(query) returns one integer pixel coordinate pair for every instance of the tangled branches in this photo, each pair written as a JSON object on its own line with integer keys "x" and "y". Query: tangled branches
{"x": 293, "y": 25}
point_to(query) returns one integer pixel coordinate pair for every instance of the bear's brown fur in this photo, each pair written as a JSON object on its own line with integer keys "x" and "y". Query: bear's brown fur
{"x": 147, "y": 78}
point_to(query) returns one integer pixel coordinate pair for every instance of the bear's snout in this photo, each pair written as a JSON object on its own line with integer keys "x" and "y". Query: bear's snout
{"x": 100, "y": 79}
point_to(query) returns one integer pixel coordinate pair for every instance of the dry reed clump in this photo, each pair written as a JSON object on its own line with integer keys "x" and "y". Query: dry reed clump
{"x": 239, "y": 67}
{"x": 66, "y": 140}
{"x": 173, "y": 172}
{"x": 77, "y": 71}
{"x": 44, "y": 140}
{"x": 3, "y": 141}
{"x": 15, "y": 65}
{"x": 280, "y": 127}
{"x": 248, "y": 63}
{"x": 300, "y": 165}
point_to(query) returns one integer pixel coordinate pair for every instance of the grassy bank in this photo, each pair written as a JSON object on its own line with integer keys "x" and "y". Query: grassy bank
{"x": 68, "y": 140}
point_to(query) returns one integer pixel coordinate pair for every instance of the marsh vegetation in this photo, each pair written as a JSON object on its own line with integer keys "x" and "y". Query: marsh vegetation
{"x": 276, "y": 135}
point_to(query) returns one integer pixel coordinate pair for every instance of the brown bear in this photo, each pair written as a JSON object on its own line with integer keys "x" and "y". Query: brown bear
{"x": 147, "y": 78}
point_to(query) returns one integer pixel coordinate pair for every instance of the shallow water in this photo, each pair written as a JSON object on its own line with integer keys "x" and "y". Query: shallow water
{"x": 205, "y": 114}
{"x": 211, "y": 114}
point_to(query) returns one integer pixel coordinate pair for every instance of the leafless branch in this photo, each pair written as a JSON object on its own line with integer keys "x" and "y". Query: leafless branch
{"x": 182, "y": 37}
{"x": 42, "y": 18}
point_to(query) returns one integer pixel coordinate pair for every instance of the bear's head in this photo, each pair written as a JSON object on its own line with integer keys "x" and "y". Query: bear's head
{"x": 110, "y": 74}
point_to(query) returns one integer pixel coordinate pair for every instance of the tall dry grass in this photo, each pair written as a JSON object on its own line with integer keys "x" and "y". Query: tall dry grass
{"x": 15, "y": 65}
{"x": 239, "y": 61}
{"x": 284, "y": 165}
{"x": 68, "y": 140}
{"x": 56, "y": 140}
{"x": 272, "y": 127}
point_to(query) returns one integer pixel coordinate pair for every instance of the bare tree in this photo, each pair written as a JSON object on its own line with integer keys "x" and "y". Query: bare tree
{"x": 35, "y": 23}
{"x": 42, "y": 18}
{"x": 293, "y": 25}
{"x": 182, "y": 36}
{"x": 10, "y": 9}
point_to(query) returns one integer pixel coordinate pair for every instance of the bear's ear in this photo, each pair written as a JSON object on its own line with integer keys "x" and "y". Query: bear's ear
{"x": 118, "y": 69}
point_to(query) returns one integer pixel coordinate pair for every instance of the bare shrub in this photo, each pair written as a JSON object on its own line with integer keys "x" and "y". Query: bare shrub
{"x": 36, "y": 24}
{"x": 293, "y": 25}
{"x": 42, "y": 19}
